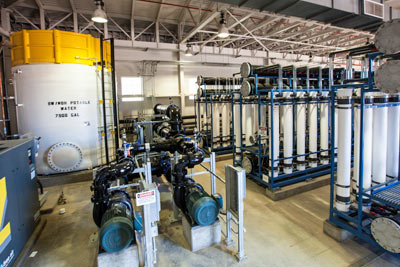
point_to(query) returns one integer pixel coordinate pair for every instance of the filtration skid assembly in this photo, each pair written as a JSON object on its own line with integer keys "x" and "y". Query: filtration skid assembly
{"x": 64, "y": 95}
{"x": 214, "y": 112}
{"x": 365, "y": 200}
{"x": 130, "y": 227}
{"x": 285, "y": 127}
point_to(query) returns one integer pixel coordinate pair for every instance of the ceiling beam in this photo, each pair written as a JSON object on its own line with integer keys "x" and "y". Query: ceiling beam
{"x": 259, "y": 26}
{"x": 132, "y": 19}
{"x": 322, "y": 24}
{"x": 248, "y": 31}
{"x": 25, "y": 18}
{"x": 296, "y": 33}
{"x": 311, "y": 36}
{"x": 12, "y": 3}
{"x": 184, "y": 11}
{"x": 201, "y": 25}
{"x": 229, "y": 27}
{"x": 274, "y": 32}
{"x": 41, "y": 13}
{"x": 159, "y": 10}
{"x": 74, "y": 15}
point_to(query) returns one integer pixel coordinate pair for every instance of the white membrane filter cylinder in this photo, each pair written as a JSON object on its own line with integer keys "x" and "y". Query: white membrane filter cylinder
{"x": 367, "y": 154}
{"x": 287, "y": 137}
{"x": 301, "y": 134}
{"x": 356, "y": 148}
{"x": 275, "y": 141}
{"x": 200, "y": 116}
{"x": 216, "y": 123}
{"x": 207, "y": 117}
{"x": 236, "y": 130}
{"x": 312, "y": 131}
{"x": 392, "y": 163}
{"x": 263, "y": 121}
{"x": 336, "y": 132}
{"x": 324, "y": 128}
{"x": 255, "y": 120}
{"x": 229, "y": 121}
{"x": 243, "y": 120}
{"x": 225, "y": 123}
{"x": 379, "y": 143}
{"x": 249, "y": 123}
{"x": 344, "y": 154}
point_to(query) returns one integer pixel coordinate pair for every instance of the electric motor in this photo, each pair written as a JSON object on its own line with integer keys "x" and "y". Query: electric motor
{"x": 116, "y": 231}
{"x": 202, "y": 208}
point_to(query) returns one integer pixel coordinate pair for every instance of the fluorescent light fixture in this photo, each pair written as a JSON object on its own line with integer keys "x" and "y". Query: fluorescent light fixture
{"x": 132, "y": 99}
{"x": 99, "y": 15}
{"x": 189, "y": 51}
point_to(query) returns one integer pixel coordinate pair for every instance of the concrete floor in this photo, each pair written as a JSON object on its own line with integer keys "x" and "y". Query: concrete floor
{"x": 284, "y": 233}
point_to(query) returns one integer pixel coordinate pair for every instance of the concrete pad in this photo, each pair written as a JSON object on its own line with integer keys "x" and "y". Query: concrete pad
{"x": 128, "y": 257}
{"x": 41, "y": 223}
{"x": 337, "y": 233}
{"x": 200, "y": 237}
{"x": 297, "y": 188}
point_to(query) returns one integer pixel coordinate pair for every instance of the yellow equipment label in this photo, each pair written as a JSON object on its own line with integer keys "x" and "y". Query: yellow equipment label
{"x": 5, "y": 232}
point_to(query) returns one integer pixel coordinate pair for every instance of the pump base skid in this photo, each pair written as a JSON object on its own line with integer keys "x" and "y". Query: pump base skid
{"x": 199, "y": 237}
{"x": 335, "y": 232}
{"x": 124, "y": 258}
{"x": 298, "y": 188}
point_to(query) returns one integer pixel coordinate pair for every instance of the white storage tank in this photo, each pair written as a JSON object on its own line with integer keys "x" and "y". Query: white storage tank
{"x": 58, "y": 93}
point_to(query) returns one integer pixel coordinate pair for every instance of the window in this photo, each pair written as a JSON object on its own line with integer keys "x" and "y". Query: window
{"x": 131, "y": 89}
{"x": 193, "y": 86}
{"x": 132, "y": 99}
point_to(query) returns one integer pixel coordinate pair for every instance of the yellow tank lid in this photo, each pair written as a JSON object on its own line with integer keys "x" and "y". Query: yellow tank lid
{"x": 54, "y": 46}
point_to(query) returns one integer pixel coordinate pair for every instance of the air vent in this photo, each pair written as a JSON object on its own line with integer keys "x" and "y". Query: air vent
{"x": 373, "y": 8}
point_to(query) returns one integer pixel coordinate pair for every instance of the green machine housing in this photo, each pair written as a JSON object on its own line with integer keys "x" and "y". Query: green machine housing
{"x": 19, "y": 203}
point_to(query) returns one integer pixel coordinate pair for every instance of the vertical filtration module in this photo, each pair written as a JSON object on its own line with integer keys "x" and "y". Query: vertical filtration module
{"x": 344, "y": 106}
{"x": 379, "y": 139}
{"x": 287, "y": 149}
{"x": 393, "y": 133}
{"x": 58, "y": 90}
{"x": 373, "y": 214}
{"x": 367, "y": 151}
{"x": 213, "y": 107}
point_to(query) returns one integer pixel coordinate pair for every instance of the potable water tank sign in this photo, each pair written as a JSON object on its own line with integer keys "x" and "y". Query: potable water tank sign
{"x": 146, "y": 197}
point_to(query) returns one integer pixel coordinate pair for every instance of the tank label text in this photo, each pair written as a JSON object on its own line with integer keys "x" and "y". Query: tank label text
{"x": 64, "y": 106}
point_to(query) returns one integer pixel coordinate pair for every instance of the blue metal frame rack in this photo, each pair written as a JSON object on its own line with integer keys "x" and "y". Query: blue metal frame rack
{"x": 271, "y": 97}
{"x": 358, "y": 219}
{"x": 215, "y": 91}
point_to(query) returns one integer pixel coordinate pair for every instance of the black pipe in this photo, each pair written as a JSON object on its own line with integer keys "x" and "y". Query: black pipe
{"x": 40, "y": 185}
{"x": 103, "y": 91}
{"x": 356, "y": 80}
{"x": 189, "y": 123}
{"x": 188, "y": 117}
{"x": 370, "y": 48}
{"x": 216, "y": 80}
{"x": 5, "y": 103}
{"x": 114, "y": 94}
